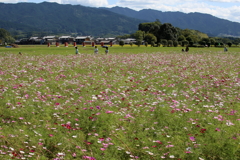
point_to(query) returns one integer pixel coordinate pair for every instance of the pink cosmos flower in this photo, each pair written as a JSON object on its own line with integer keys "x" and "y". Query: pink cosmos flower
{"x": 159, "y": 142}
{"x": 98, "y": 107}
{"x": 89, "y": 158}
{"x": 168, "y": 146}
{"x": 74, "y": 154}
{"x": 109, "y": 112}
{"x": 192, "y": 138}
{"x": 27, "y": 96}
{"x": 41, "y": 79}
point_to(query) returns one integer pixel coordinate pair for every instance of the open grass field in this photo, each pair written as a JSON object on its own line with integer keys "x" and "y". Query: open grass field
{"x": 136, "y": 103}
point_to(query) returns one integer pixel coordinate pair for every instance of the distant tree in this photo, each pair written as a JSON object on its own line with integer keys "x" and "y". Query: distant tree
{"x": 149, "y": 37}
{"x": 5, "y": 36}
{"x": 170, "y": 43}
{"x": 189, "y": 39}
{"x": 212, "y": 41}
{"x": 181, "y": 38}
{"x": 146, "y": 44}
{"x": 229, "y": 44}
{"x": 150, "y": 27}
{"x": 164, "y": 42}
{"x": 218, "y": 44}
{"x": 194, "y": 38}
{"x": 138, "y": 35}
{"x": 145, "y": 26}
{"x": 130, "y": 43}
{"x": 175, "y": 43}
{"x": 206, "y": 40}
{"x": 186, "y": 32}
{"x": 236, "y": 41}
{"x": 121, "y": 43}
{"x": 152, "y": 44}
{"x": 168, "y": 32}
{"x": 202, "y": 42}
{"x": 185, "y": 43}
{"x": 226, "y": 40}
{"x": 138, "y": 43}
{"x": 191, "y": 43}
{"x": 191, "y": 35}
{"x": 180, "y": 43}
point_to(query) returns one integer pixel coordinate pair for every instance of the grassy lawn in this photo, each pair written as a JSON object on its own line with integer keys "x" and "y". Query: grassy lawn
{"x": 43, "y": 49}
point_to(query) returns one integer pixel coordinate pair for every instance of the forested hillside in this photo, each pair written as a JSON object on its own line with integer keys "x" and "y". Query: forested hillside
{"x": 55, "y": 18}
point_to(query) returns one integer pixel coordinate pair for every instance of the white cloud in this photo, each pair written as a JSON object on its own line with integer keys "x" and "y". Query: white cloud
{"x": 12, "y": 1}
{"x": 142, "y": 3}
{"x": 91, "y": 3}
{"x": 227, "y": 1}
{"x": 57, "y": 1}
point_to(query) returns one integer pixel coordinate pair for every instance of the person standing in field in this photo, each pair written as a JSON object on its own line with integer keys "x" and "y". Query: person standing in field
{"x": 76, "y": 50}
{"x": 106, "y": 51}
{"x": 96, "y": 50}
{"x": 225, "y": 49}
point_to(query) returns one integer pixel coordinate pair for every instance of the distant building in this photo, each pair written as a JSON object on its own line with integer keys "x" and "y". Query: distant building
{"x": 35, "y": 40}
{"x": 128, "y": 40}
{"x": 67, "y": 39}
{"x": 105, "y": 41}
{"x": 86, "y": 39}
{"x": 50, "y": 39}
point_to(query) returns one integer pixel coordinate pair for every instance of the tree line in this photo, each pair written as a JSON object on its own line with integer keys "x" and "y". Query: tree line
{"x": 5, "y": 36}
{"x": 156, "y": 34}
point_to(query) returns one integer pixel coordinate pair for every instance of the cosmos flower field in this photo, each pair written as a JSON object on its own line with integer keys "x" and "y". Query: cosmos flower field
{"x": 120, "y": 106}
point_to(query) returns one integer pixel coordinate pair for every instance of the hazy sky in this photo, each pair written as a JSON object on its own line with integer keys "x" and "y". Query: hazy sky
{"x": 226, "y": 9}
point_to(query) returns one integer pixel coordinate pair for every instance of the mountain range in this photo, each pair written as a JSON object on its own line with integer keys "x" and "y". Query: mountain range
{"x": 54, "y": 18}
{"x": 205, "y": 23}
